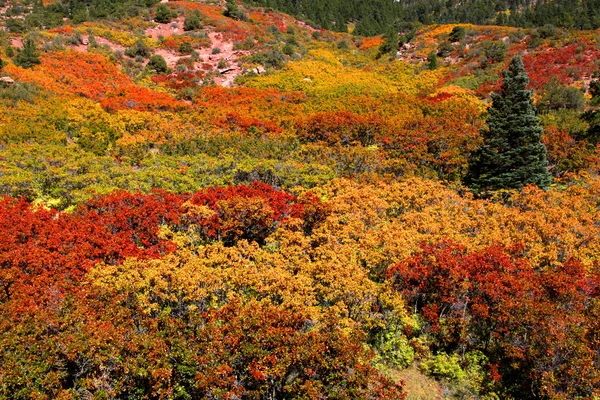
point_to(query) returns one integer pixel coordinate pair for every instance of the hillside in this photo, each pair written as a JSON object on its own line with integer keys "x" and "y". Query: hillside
{"x": 210, "y": 199}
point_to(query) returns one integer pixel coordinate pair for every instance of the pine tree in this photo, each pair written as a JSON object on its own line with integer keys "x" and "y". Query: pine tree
{"x": 512, "y": 155}
{"x": 28, "y": 57}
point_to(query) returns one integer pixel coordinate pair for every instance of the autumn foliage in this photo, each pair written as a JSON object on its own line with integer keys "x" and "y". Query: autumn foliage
{"x": 301, "y": 232}
{"x": 522, "y": 317}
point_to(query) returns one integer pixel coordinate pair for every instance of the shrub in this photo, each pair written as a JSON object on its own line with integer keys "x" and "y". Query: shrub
{"x": 445, "y": 48}
{"x": 192, "y": 23}
{"x": 287, "y": 50}
{"x": 20, "y": 91}
{"x": 561, "y": 97}
{"x": 163, "y": 14}
{"x": 233, "y": 11}
{"x": 157, "y": 64}
{"x": 343, "y": 45}
{"x": 458, "y": 33}
{"x": 14, "y": 25}
{"x": 185, "y": 48}
{"x": 273, "y": 30}
{"x": 394, "y": 348}
{"x": 549, "y": 31}
{"x": 138, "y": 49}
{"x": 444, "y": 366}
{"x": 493, "y": 52}
{"x": 271, "y": 59}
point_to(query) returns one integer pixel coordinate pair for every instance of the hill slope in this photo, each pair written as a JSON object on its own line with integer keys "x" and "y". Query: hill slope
{"x": 207, "y": 200}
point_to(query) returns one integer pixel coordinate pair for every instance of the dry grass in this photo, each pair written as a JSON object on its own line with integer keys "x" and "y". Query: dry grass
{"x": 419, "y": 386}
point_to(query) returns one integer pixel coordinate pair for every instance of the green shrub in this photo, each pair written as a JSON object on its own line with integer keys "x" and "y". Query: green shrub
{"x": 394, "y": 348}
{"x": 14, "y": 25}
{"x": 20, "y": 91}
{"x": 233, "y": 11}
{"x": 458, "y": 33}
{"x": 559, "y": 97}
{"x": 270, "y": 59}
{"x": 138, "y": 49}
{"x": 185, "y": 48}
{"x": 287, "y": 50}
{"x": 432, "y": 61}
{"x": 549, "y": 31}
{"x": 445, "y": 48}
{"x": 157, "y": 64}
{"x": 192, "y": 23}
{"x": 493, "y": 52}
{"x": 444, "y": 366}
{"x": 164, "y": 14}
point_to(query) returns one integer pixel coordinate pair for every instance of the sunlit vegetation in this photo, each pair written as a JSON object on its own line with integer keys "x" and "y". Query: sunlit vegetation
{"x": 219, "y": 201}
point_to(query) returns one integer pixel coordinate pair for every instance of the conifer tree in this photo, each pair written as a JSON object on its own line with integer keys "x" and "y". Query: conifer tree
{"x": 512, "y": 155}
{"x": 28, "y": 57}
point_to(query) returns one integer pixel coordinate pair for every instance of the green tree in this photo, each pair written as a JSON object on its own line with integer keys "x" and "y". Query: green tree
{"x": 512, "y": 155}
{"x": 432, "y": 60}
{"x": 28, "y": 57}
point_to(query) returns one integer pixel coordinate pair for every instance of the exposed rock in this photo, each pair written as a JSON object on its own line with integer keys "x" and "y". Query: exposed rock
{"x": 6, "y": 80}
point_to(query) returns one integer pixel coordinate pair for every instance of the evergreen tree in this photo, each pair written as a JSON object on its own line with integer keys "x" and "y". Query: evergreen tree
{"x": 28, "y": 57}
{"x": 512, "y": 155}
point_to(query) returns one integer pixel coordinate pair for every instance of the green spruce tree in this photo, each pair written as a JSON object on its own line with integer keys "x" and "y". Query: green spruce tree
{"x": 512, "y": 155}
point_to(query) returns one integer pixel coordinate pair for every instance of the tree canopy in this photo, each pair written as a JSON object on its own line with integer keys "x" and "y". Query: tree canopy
{"x": 512, "y": 155}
